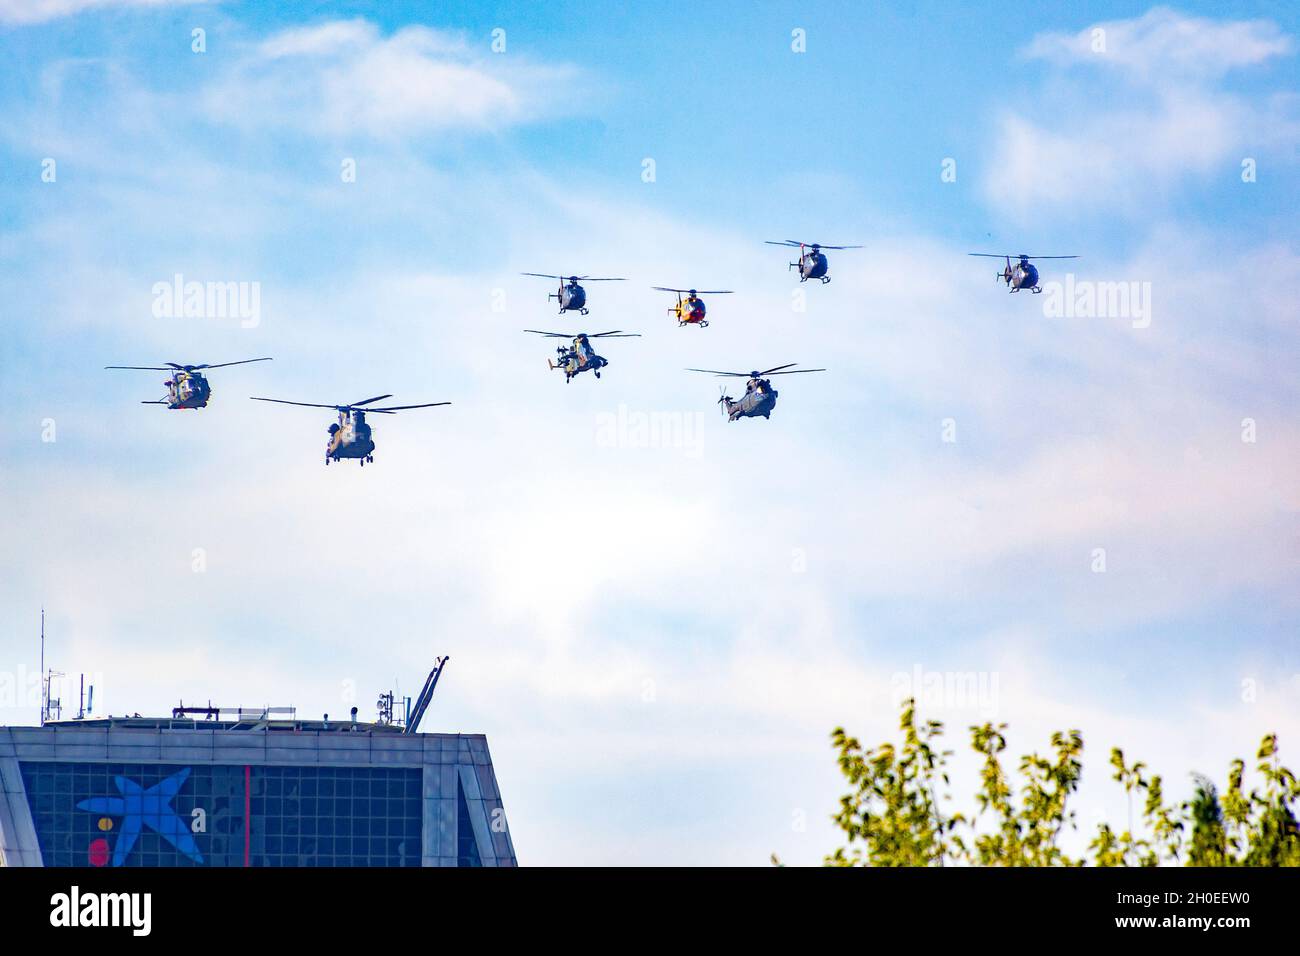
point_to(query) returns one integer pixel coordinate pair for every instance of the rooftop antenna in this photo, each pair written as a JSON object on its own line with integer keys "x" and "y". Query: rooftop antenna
{"x": 51, "y": 707}
{"x": 426, "y": 695}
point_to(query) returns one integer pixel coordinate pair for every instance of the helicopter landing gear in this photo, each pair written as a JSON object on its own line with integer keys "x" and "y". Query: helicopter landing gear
{"x": 825, "y": 279}
{"x": 597, "y": 375}
{"x": 1037, "y": 290}
{"x": 583, "y": 311}
{"x": 327, "y": 460}
{"x": 370, "y": 458}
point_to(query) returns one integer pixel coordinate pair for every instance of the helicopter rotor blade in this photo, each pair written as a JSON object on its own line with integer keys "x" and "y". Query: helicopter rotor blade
{"x": 551, "y": 335}
{"x": 778, "y": 368}
{"x": 282, "y": 401}
{"x": 796, "y": 371}
{"x": 401, "y": 408}
{"x": 596, "y": 279}
{"x": 369, "y": 400}
{"x": 142, "y": 368}
{"x": 226, "y": 364}
{"x": 542, "y": 275}
{"x": 616, "y": 334}
{"x": 710, "y": 371}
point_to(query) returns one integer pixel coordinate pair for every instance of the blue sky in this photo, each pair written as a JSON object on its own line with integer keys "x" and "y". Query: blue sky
{"x": 658, "y": 636}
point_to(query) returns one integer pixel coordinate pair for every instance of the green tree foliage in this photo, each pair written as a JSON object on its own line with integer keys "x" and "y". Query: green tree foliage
{"x": 893, "y": 813}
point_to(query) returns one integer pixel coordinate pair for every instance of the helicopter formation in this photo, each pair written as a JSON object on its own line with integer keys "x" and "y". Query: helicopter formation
{"x": 351, "y": 436}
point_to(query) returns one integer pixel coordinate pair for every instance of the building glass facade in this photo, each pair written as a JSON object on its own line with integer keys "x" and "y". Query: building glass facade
{"x": 106, "y": 814}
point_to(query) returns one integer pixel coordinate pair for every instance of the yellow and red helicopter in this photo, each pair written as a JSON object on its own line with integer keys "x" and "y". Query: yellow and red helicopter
{"x": 691, "y": 310}
{"x": 187, "y": 387}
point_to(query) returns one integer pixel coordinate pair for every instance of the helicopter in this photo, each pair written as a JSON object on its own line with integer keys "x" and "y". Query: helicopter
{"x": 187, "y": 388}
{"x": 812, "y": 263}
{"x": 571, "y": 296}
{"x": 1022, "y": 275}
{"x": 580, "y": 356}
{"x": 691, "y": 310}
{"x": 350, "y": 437}
{"x": 760, "y": 396}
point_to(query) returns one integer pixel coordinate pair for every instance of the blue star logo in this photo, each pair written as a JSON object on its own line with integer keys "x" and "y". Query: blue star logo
{"x": 140, "y": 808}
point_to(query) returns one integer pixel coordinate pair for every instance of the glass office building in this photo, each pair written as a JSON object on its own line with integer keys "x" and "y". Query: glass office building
{"x": 168, "y": 792}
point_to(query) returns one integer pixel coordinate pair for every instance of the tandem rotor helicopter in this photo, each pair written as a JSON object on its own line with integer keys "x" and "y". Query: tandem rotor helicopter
{"x": 812, "y": 262}
{"x": 760, "y": 396}
{"x": 580, "y": 356}
{"x": 691, "y": 310}
{"x": 350, "y": 437}
{"x": 1021, "y": 275}
{"x": 187, "y": 387}
{"x": 571, "y": 296}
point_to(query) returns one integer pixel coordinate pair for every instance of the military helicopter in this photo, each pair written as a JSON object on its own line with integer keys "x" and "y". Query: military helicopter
{"x": 580, "y": 356}
{"x": 812, "y": 262}
{"x": 571, "y": 296}
{"x": 187, "y": 388}
{"x": 1022, "y": 275}
{"x": 350, "y": 438}
{"x": 760, "y": 396}
{"x": 691, "y": 310}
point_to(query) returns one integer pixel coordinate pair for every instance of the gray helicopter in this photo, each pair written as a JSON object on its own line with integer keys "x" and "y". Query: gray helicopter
{"x": 351, "y": 437}
{"x": 812, "y": 262}
{"x": 571, "y": 296}
{"x": 580, "y": 357}
{"x": 187, "y": 387}
{"x": 1021, "y": 275}
{"x": 760, "y": 397}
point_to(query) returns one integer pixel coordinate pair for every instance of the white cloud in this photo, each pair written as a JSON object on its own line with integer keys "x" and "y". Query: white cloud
{"x": 24, "y": 12}
{"x": 345, "y": 77}
{"x": 1072, "y": 150}
{"x": 1165, "y": 45}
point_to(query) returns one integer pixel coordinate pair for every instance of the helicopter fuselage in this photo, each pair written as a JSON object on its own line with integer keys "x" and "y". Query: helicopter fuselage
{"x": 349, "y": 438}
{"x": 578, "y": 358}
{"x": 812, "y": 265}
{"x": 572, "y": 298}
{"x": 187, "y": 390}
{"x": 1021, "y": 275}
{"x": 690, "y": 311}
{"x": 758, "y": 401}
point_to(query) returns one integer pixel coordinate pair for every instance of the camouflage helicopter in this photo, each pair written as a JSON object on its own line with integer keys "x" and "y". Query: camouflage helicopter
{"x": 760, "y": 396}
{"x": 691, "y": 310}
{"x": 350, "y": 437}
{"x": 187, "y": 388}
{"x": 580, "y": 356}
{"x": 1022, "y": 275}
{"x": 571, "y": 296}
{"x": 812, "y": 262}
